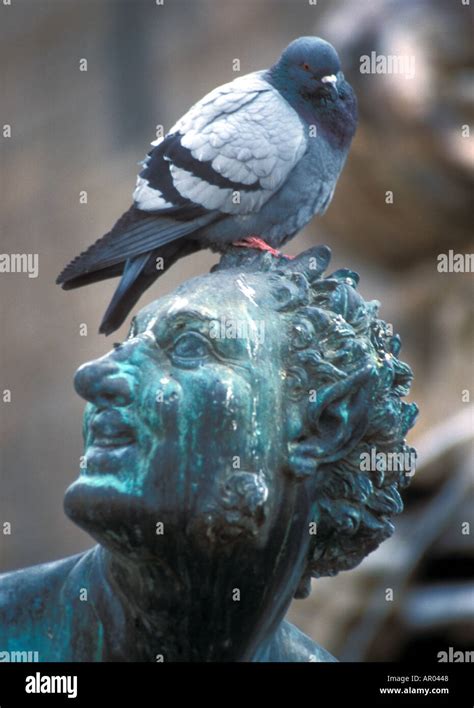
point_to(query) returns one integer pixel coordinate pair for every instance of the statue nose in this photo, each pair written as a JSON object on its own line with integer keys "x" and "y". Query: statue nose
{"x": 102, "y": 383}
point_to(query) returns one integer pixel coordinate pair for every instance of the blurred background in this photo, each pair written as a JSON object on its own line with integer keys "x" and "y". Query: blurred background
{"x": 76, "y": 131}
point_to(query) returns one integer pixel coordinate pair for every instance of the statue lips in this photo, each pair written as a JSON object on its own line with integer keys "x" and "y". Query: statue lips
{"x": 109, "y": 429}
{"x": 110, "y": 439}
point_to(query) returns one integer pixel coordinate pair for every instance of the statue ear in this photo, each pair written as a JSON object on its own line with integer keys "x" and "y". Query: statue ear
{"x": 337, "y": 420}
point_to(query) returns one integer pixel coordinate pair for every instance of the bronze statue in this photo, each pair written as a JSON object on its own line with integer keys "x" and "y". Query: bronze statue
{"x": 223, "y": 447}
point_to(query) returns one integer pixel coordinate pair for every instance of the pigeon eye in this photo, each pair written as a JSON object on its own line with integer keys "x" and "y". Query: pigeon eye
{"x": 306, "y": 66}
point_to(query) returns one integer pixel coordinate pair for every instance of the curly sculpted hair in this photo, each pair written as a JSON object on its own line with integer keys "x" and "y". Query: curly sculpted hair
{"x": 333, "y": 334}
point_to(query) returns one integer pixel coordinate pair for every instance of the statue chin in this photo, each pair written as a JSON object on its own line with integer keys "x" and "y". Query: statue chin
{"x": 111, "y": 514}
{"x": 237, "y": 510}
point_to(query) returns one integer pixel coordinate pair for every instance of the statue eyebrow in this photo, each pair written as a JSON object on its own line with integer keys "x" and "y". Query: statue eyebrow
{"x": 175, "y": 320}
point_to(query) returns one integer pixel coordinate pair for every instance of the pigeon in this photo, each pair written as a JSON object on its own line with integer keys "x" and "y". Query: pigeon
{"x": 248, "y": 165}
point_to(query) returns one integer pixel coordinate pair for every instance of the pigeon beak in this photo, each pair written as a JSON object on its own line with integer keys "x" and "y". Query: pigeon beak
{"x": 330, "y": 81}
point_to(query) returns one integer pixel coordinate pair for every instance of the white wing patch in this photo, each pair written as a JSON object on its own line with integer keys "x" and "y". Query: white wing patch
{"x": 147, "y": 198}
{"x": 144, "y": 196}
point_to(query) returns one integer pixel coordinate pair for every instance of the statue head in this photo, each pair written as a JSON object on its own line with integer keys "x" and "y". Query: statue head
{"x": 224, "y": 436}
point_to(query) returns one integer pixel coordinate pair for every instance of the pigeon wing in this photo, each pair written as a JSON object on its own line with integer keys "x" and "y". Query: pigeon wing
{"x": 226, "y": 156}
{"x": 230, "y": 153}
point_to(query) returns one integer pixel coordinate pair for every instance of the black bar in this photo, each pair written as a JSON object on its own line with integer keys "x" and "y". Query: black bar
{"x": 310, "y": 683}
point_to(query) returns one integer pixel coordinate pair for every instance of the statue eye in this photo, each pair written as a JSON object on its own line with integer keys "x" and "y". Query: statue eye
{"x": 190, "y": 346}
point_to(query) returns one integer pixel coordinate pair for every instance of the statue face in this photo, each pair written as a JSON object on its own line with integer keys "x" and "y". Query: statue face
{"x": 185, "y": 427}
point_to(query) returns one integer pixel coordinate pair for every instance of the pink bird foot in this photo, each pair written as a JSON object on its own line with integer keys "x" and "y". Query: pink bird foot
{"x": 260, "y": 245}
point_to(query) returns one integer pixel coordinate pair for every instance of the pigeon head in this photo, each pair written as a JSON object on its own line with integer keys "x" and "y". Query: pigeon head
{"x": 310, "y": 65}
{"x": 308, "y": 75}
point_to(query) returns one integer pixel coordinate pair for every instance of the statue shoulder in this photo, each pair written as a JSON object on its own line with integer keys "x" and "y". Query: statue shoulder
{"x": 30, "y": 601}
{"x": 291, "y": 644}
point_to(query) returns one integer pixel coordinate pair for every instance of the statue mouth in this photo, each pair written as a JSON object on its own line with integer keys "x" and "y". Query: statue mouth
{"x": 109, "y": 429}
{"x": 119, "y": 441}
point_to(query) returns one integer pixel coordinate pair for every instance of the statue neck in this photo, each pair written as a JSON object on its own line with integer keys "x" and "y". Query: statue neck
{"x": 149, "y": 614}
{"x": 203, "y": 597}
